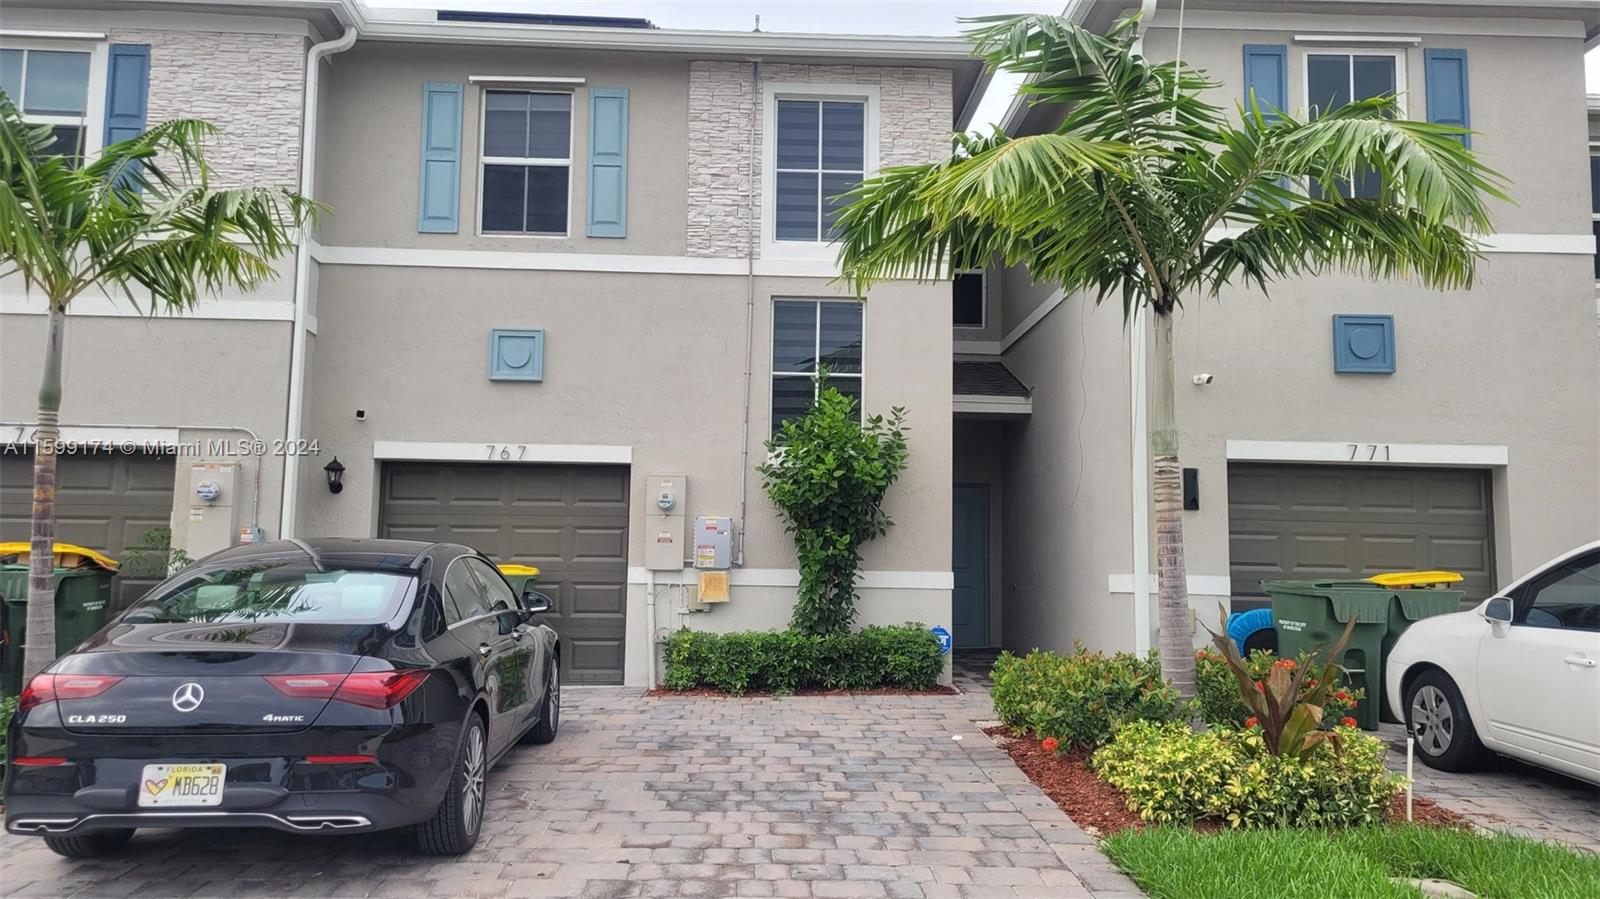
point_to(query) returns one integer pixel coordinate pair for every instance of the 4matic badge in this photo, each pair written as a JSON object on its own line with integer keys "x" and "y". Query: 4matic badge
{"x": 283, "y": 719}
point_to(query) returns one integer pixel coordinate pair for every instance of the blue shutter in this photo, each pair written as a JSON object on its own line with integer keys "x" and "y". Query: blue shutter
{"x": 1446, "y": 71}
{"x": 1266, "y": 71}
{"x": 127, "y": 91}
{"x": 608, "y": 162}
{"x": 439, "y": 186}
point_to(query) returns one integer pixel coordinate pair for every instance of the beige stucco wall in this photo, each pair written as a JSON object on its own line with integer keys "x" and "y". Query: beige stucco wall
{"x": 369, "y": 151}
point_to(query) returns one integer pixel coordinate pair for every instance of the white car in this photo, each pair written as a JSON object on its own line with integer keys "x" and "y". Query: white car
{"x": 1518, "y": 675}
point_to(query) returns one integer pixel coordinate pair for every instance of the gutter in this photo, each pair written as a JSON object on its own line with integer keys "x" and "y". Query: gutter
{"x": 293, "y": 429}
{"x": 1139, "y": 437}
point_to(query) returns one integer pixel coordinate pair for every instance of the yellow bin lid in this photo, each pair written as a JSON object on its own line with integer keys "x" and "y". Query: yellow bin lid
{"x": 1416, "y": 578}
{"x": 68, "y": 555}
{"x": 513, "y": 570}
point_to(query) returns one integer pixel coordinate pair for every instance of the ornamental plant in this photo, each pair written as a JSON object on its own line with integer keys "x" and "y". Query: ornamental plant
{"x": 827, "y": 472}
{"x": 1081, "y": 698}
{"x": 1289, "y": 703}
{"x": 1221, "y": 705}
{"x": 781, "y": 662}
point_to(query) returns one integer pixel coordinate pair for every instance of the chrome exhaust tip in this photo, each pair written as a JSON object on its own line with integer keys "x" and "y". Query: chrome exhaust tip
{"x": 326, "y": 822}
{"x": 43, "y": 825}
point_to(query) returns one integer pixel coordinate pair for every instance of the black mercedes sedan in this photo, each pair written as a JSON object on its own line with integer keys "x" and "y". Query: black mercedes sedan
{"x": 321, "y": 686}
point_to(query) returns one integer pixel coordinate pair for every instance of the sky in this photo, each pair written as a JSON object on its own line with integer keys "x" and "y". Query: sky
{"x": 915, "y": 17}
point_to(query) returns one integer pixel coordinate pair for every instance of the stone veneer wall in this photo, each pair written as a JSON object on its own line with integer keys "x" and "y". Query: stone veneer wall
{"x": 915, "y": 113}
{"x": 248, "y": 85}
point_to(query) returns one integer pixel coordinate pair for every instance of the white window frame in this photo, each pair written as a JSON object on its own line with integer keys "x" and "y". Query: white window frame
{"x": 1594, "y": 214}
{"x": 93, "y": 120}
{"x": 546, "y": 162}
{"x": 816, "y": 344}
{"x": 773, "y": 91}
{"x": 1399, "y": 55}
{"x": 983, "y": 293}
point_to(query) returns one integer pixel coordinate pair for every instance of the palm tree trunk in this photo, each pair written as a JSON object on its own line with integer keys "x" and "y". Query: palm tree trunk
{"x": 1176, "y": 640}
{"x": 40, "y": 650}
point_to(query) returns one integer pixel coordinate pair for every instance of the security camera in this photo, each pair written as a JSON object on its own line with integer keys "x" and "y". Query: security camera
{"x": 1203, "y": 378}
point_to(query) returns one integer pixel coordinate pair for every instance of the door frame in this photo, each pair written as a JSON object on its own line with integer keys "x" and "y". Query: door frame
{"x": 988, "y": 559}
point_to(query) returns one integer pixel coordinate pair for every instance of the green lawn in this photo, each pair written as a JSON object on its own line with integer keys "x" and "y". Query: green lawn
{"x": 1178, "y": 863}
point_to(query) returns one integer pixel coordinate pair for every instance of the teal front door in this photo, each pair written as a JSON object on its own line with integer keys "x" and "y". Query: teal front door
{"x": 969, "y": 560}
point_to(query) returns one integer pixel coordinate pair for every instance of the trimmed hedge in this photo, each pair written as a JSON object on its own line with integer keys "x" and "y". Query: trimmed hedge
{"x": 1080, "y": 699}
{"x": 905, "y": 657}
{"x": 1172, "y": 775}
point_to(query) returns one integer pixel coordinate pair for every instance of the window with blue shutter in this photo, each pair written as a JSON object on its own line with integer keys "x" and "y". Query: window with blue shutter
{"x": 608, "y": 162}
{"x": 127, "y": 91}
{"x": 1266, "y": 72}
{"x": 1446, "y": 71}
{"x": 439, "y": 185}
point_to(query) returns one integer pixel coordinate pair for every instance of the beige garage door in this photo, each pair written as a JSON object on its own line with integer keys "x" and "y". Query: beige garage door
{"x": 1329, "y": 521}
{"x": 569, "y": 520}
{"x": 105, "y": 501}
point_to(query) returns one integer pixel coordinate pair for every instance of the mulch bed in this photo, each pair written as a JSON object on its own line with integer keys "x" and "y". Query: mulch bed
{"x": 1101, "y": 809}
{"x": 810, "y": 691}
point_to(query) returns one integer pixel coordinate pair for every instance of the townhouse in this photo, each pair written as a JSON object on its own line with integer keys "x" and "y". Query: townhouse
{"x": 1338, "y": 427}
{"x": 569, "y": 267}
{"x": 575, "y": 273}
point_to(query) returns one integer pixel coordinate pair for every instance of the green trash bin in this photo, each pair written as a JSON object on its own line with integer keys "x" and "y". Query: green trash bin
{"x": 83, "y": 600}
{"x": 1310, "y": 615}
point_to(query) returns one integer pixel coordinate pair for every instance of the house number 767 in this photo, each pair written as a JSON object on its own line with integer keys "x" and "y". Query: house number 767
{"x": 1369, "y": 452}
{"x": 506, "y": 452}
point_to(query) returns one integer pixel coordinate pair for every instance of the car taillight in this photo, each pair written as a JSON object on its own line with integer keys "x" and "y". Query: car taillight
{"x": 379, "y": 689}
{"x": 39, "y": 761}
{"x": 305, "y": 686}
{"x": 45, "y": 688}
{"x": 341, "y": 760}
{"x": 373, "y": 689}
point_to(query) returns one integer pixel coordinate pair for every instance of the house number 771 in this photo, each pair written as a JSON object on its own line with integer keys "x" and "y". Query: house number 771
{"x": 1369, "y": 452}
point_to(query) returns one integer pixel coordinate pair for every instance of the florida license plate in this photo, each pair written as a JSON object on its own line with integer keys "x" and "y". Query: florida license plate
{"x": 181, "y": 785}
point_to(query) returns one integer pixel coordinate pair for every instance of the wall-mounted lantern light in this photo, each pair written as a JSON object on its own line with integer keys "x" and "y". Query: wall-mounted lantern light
{"x": 335, "y": 475}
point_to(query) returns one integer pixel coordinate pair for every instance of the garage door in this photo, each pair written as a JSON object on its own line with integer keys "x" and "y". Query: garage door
{"x": 105, "y": 501}
{"x": 1326, "y": 521}
{"x": 569, "y": 520}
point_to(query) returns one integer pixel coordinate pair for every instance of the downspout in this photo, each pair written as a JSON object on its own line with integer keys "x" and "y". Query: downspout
{"x": 749, "y": 307}
{"x": 1139, "y": 435}
{"x": 293, "y": 432}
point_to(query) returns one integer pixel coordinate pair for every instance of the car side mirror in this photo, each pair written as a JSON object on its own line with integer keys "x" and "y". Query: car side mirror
{"x": 1498, "y": 613}
{"x": 534, "y": 602}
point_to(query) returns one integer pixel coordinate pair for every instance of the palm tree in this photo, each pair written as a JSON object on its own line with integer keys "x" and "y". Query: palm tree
{"x": 1151, "y": 193}
{"x": 141, "y": 216}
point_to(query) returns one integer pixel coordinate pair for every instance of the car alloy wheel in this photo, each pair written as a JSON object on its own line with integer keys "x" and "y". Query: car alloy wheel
{"x": 472, "y": 772}
{"x": 555, "y": 696}
{"x": 1432, "y": 720}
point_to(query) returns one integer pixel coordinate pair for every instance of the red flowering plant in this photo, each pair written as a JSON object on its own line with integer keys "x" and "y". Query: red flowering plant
{"x": 1287, "y": 707}
{"x": 1050, "y": 744}
{"x": 1218, "y": 698}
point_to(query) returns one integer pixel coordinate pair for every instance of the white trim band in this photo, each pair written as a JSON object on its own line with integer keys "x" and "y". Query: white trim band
{"x": 1197, "y": 585}
{"x": 524, "y": 79}
{"x": 13, "y": 433}
{"x": 790, "y": 577}
{"x": 615, "y": 263}
{"x": 1367, "y": 452}
{"x": 502, "y": 450}
{"x": 233, "y": 310}
{"x": 991, "y": 405}
{"x": 53, "y": 35}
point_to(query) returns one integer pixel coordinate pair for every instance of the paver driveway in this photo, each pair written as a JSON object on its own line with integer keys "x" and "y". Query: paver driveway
{"x": 676, "y": 796}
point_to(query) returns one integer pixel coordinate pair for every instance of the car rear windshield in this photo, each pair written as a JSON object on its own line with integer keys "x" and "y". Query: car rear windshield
{"x": 275, "y": 591}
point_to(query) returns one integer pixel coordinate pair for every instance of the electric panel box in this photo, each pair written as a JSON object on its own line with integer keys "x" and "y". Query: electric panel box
{"x": 666, "y": 496}
{"x": 713, "y": 542}
{"x": 213, "y": 514}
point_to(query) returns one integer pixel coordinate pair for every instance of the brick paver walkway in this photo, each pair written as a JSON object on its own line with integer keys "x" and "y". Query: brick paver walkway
{"x": 807, "y": 796}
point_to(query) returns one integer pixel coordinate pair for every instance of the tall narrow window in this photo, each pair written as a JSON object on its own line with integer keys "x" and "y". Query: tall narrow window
{"x": 1594, "y": 204}
{"x": 821, "y": 154}
{"x": 966, "y": 300}
{"x": 1336, "y": 79}
{"x": 527, "y": 160}
{"x": 50, "y": 87}
{"x": 805, "y": 333}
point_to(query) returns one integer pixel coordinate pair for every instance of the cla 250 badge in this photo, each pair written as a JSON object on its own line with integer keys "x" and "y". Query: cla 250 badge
{"x": 97, "y": 719}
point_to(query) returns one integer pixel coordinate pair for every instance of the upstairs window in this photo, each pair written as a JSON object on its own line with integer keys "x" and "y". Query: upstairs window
{"x": 820, "y": 154}
{"x": 51, "y": 87}
{"x": 966, "y": 300}
{"x": 804, "y": 333}
{"x": 526, "y": 167}
{"x": 1337, "y": 79}
{"x": 1594, "y": 204}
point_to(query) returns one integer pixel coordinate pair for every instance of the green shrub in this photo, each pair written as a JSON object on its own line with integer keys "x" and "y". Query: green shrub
{"x": 1172, "y": 775}
{"x": 905, "y": 657}
{"x": 1221, "y": 705}
{"x": 1081, "y": 698}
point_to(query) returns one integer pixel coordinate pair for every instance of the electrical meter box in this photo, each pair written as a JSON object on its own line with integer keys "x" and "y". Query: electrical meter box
{"x": 213, "y": 508}
{"x": 665, "y": 499}
{"x": 713, "y": 542}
